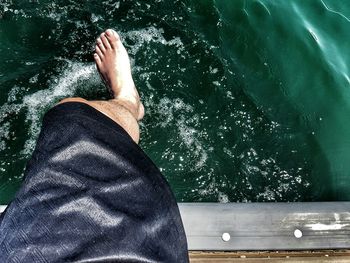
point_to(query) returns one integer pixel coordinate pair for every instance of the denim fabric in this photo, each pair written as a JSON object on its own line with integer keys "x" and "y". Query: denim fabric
{"x": 90, "y": 194}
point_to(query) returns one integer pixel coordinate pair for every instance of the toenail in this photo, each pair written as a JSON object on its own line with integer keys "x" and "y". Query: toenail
{"x": 109, "y": 32}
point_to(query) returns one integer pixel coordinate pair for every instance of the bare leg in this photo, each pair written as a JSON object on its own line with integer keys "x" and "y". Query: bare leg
{"x": 112, "y": 61}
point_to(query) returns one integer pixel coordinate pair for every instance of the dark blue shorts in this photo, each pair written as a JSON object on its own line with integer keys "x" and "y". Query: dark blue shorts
{"x": 90, "y": 194}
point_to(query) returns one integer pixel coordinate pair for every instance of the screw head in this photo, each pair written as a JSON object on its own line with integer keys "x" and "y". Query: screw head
{"x": 298, "y": 233}
{"x": 226, "y": 237}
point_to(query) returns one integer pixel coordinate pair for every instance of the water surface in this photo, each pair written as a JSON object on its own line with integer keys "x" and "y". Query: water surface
{"x": 245, "y": 100}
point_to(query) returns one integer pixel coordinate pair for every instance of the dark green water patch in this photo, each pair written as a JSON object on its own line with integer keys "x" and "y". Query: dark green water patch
{"x": 245, "y": 100}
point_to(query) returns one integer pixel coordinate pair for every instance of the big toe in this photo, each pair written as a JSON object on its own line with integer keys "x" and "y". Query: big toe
{"x": 113, "y": 37}
{"x": 110, "y": 32}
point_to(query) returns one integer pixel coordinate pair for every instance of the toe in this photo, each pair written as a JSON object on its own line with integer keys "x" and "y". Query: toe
{"x": 100, "y": 45}
{"x": 99, "y": 52}
{"x": 109, "y": 32}
{"x": 113, "y": 38}
{"x": 97, "y": 59}
{"x": 112, "y": 33}
{"x": 105, "y": 41}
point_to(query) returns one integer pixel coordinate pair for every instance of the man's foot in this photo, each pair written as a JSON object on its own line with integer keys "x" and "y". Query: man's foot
{"x": 113, "y": 63}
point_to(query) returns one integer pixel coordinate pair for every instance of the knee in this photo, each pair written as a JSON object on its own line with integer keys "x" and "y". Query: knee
{"x": 77, "y": 99}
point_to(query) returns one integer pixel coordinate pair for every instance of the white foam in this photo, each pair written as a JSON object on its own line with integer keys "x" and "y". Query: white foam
{"x": 176, "y": 114}
{"x": 35, "y": 104}
{"x": 223, "y": 198}
{"x": 4, "y": 135}
{"x": 259, "y": 169}
{"x": 13, "y": 93}
{"x": 210, "y": 187}
{"x": 64, "y": 86}
{"x": 267, "y": 195}
{"x": 190, "y": 137}
{"x": 34, "y": 79}
{"x": 213, "y": 70}
{"x": 147, "y": 35}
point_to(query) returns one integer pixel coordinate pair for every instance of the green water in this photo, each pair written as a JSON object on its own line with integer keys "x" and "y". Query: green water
{"x": 245, "y": 100}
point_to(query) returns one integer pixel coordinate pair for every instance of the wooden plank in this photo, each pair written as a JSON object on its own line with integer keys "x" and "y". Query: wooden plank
{"x": 267, "y": 226}
{"x": 324, "y": 256}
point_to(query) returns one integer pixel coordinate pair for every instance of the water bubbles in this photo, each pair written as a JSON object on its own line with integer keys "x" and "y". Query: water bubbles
{"x": 4, "y": 135}
{"x": 34, "y": 79}
{"x": 147, "y": 35}
{"x": 229, "y": 95}
{"x": 95, "y": 18}
{"x": 213, "y": 70}
{"x": 223, "y": 198}
{"x": 267, "y": 195}
{"x": 13, "y": 93}
{"x": 216, "y": 83}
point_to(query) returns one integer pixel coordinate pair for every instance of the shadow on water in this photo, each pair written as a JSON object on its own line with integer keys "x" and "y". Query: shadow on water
{"x": 242, "y": 104}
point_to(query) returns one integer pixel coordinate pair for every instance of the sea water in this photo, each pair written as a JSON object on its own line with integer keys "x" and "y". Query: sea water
{"x": 246, "y": 100}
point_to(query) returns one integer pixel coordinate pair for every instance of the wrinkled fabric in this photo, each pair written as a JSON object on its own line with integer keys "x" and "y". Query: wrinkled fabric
{"x": 90, "y": 194}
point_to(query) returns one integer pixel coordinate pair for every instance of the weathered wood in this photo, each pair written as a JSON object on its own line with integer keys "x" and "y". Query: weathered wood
{"x": 324, "y": 256}
{"x": 267, "y": 226}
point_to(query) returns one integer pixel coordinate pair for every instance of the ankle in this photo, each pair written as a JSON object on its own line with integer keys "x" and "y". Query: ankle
{"x": 131, "y": 104}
